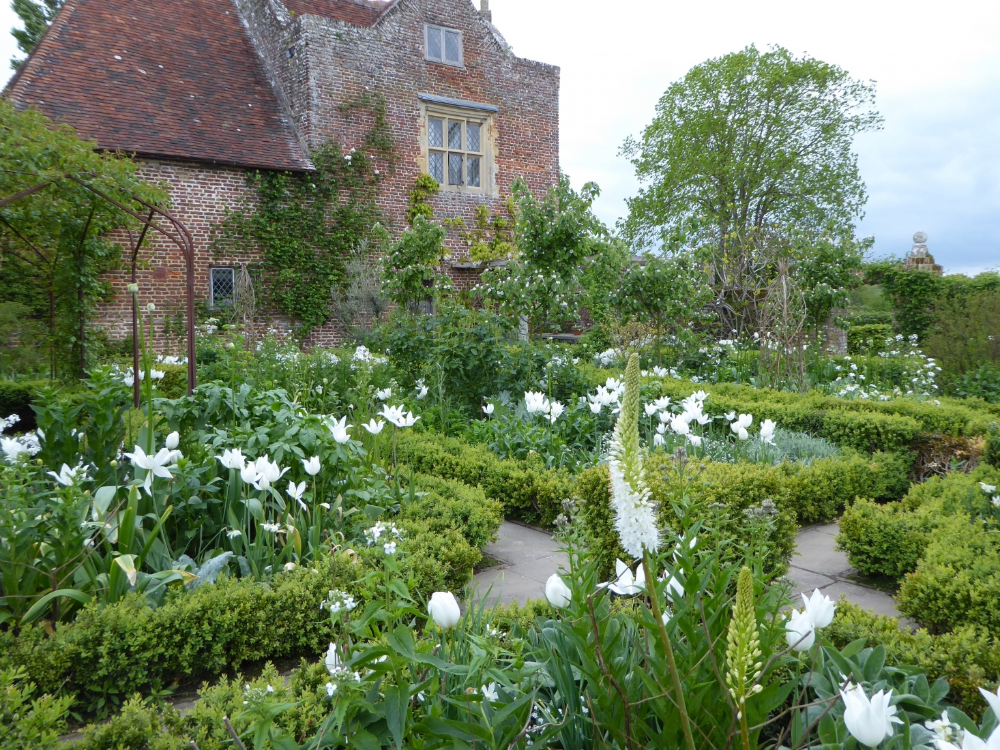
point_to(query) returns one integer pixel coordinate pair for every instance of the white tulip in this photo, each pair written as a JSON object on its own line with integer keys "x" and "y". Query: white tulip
{"x": 69, "y": 477}
{"x": 595, "y": 407}
{"x": 680, "y": 425}
{"x": 535, "y": 402}
{"x": 555, "y": 410}
{"x": 173, "y": 440}
{"x": 695, "y": 440}
{"x": 801, "y": 633}
{"x": 557, "y": 592}
{"x": 339, "y": 429}
{"x": 767, "y": 432}
{"x": 311, "y": 466}
{"x": 488, "y": 409}
{"x": 740, "y": 426}
{"x": 268, "y": 472}
{"x": 422, "y": 392}
{"x": 154, "y": 465}
{"x": 393, "y": 415}
{"x": 443, "y": 609}
{"x": 994, "y": 700}
{"x": 383, "y": 395}
{"x": 819, "y": 608}
{"x": 650, "y": 409}
{"x": 868, "y": 721}
{"x": 248, "y": 473}
{"x": 625, "y": 583}
{"x": 409, "y": 420}
{"x": 374, "y": 427}
{"x": 232, "y": 459}
{"x": 295, "y": 491}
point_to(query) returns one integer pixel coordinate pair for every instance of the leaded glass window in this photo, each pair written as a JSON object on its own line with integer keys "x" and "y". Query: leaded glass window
{"x": 455, "y": 150}
{"x": 222, "y": 283}
{"x": 443, "y": 45}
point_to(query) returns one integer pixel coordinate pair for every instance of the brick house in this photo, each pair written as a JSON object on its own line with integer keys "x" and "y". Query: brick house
{"x": 203, "y": 91}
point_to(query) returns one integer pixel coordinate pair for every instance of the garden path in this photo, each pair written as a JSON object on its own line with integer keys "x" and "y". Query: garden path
{"x": 528, "y": 556}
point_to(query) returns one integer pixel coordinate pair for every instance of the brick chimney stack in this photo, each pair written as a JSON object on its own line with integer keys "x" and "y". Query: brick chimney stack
{"x": 484, "y": 11}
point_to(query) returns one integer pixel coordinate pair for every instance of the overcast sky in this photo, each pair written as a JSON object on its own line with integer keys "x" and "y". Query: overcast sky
{"x": 935, "y": 167}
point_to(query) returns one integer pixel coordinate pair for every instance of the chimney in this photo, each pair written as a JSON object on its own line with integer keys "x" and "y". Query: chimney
{"x": 484, "y": 11}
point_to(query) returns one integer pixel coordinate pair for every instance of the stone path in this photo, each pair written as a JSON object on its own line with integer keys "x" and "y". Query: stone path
{"x": 528, "y": 556}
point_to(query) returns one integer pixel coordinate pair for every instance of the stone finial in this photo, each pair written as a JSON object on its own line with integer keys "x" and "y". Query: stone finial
{"x": 919, "y": 238}
{"x": 919, "y": 258}
{"x": 485, "y": 12}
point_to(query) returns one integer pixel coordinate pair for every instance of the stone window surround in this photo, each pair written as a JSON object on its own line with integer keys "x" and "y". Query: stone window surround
{"x": 442, "y": 108}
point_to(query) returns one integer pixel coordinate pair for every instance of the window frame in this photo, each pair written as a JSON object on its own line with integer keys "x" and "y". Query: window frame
{"x": 448, "y": 114}
{"x": 442, "y": 30}
{"x": 211, "y": 287}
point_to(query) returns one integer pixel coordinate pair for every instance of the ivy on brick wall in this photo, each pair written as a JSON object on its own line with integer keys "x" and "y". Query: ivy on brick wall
{"x": 304, "y": 225}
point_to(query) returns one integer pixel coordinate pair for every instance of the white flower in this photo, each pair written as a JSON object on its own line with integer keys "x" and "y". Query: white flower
{"x": 658, "y": 440}
{"x": 232, "y": 459}
{"x": 157, "y": 374}
{"x": 295, "y": 491}
{"x": 268, "y": 472}
{"x": 422, "y": 392}
{"x": 248, "y": 473}
{"x": 383, "y": 395}
{"x": 819, "y": 609}
{"x": 555, "y": 410}
{"x": 69, "y": 477}
{"x": 392, "y": 414}
{"x": 868, "y": 721}
{"x": 595, "y": 407}
{"x": 535, "y": 402}
{"x": 389, "y": 548}
{"x": 944, "y": 730}
{"x": 172, "y": 441}
{"x": 993, "y": 699}
{"x": 662, "y": 402}
{"x": 374, "y": 427}
{"x": 650, "y": 409}
{"x": 680, "y": 425}
{"x": 989, "y": 489}
{"x": 311, "y": 466}
{"x": 289, "y": 567}
{"x": 331, "y": 689}
{"x": 557, "y": 592}
{"x": 332, "y": 661}
{"x": 740, "y": 426}
{"x": 339, "y": 429}
{"x": 627, "y": 584}
{"x": 272, "y": 528}
{"x": 695, "y": 440}
{"x": 233, "y": 533}
{"x": 767, "y": 432}
{"x": 489, "y": 692}
{"x": 801, "y": 633}
{"x": 443, "y": 609}
{"x": 409, "y": 420}
{"x": 488, "y": 409}
{"x": 154, "y": 465}
{"x": 12, "y": 449}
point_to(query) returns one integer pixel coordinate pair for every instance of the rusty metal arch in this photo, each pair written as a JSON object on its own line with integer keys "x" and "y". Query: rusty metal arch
{"x": 177, "y": 234}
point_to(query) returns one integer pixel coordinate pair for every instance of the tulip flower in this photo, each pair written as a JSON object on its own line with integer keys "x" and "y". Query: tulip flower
{"x": 555, "y": 410}
{"x": 374, "y": 427}
{"x": 383, "y": 395}
{"x": 695, "y": 440}
{"x": 740, "y": 426}
{"x": 268, "y": 473}
{"x": 557, "y": 592}
{"x": 173, "y": 440}
{"x": 680, "y": 425}
{"x": 154, "y": 465}
{"x": 994, "y": 700}
{"x": 868, "y": 721}
{"x": 988, "y": 488}
{"x": 68, "y": 477}
{"x": 819, "y": 609}
{"x": 535, "y": 402}
{"x": 339, "y": 429}
{"x": 801, "y": 633}
{"x": 443, "y": 609}
{"x": 12, "y": 449}
{"x": 625, "y": 583}
{"x": 408, "y": 421}
{"x": 767, "y": 432}
{"x": 422, "y": 392}
{"x": 595, "y": 407}
{"x": 311, "y": 466}
{"x": 248, "y": 473}
{"x": 392, "y": 414}
{"x": 650, "y": 409}
{"x": 232, "y": 459}
{"x": 295, "y": 491}
{"x": 488, "y": 409}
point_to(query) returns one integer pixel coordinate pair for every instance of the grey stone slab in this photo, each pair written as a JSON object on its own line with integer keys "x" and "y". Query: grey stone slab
{"x": 817, "y": 551}
{"x": 540, "y": 570}
{"x": 807, "y": 581}
{"x": 519, "y": 544}
{"x": 877, "y": 601}
{"x": 832, "y": 529}
{"x": 507, "y": 586}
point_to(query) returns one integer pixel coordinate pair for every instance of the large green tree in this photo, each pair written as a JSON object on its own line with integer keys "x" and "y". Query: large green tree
{"x": 747, "y": 143}
{"x": 36, "y": 15}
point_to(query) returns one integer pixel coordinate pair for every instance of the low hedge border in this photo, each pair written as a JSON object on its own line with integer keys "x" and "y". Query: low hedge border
{"x": 948, "y": 563}
{"x": 525, "y": 489}
{"x": 968, "y": 658}
{"x": 802, "y": 494}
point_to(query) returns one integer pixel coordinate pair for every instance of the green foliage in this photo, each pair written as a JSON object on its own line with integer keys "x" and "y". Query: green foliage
{"x": 865, "y": 339}
{"x": 137, "y": 727}
{"x": 36, "y": 15}
{"x": 491, "y": 236}
{"x": 525, "y": 489}
{"x": 964, "y": 336}
{"x": 968, "y": 658}
{"x": 27, "y": 722}
{"x": 424, "y": 188}
{"x": 884, "y": 540}
{"x": 412, "y": 265}
{"x": 991, "y": 453}
{"x": 748, "y": 141}
{"x": 913, "y": 293}
{"x": 983, "y": 382}
{"x": 108, "y": 653}
{"x": 54, "y": 244}
{"x": 16, "y": 397}
{"x": 22, "y": 340}
{"x": 307, "y": 224}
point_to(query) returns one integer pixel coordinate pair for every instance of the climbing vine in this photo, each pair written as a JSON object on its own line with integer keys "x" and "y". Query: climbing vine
{"x": 305, "y": 225}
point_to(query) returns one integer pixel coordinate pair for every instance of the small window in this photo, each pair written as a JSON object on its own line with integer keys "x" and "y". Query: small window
{"x": 454, "y": 153}
{"x": 444, "y": 45}
{"x": 221, "y": 286}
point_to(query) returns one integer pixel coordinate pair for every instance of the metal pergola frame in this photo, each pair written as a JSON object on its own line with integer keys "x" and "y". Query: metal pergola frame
{"x": 178, "y": 234}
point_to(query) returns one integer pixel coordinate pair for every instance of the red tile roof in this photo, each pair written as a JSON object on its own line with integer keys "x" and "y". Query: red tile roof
{"x": 167, "y": 78}
{"x": 357, "y": 12}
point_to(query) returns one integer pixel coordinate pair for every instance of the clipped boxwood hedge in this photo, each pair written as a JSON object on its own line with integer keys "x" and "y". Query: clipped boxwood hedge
{"x": 525, "y": 490}
{"x": 802, "y": 493}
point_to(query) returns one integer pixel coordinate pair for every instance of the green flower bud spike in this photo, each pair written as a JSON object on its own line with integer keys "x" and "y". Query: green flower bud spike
{"x": 743, "y": 651}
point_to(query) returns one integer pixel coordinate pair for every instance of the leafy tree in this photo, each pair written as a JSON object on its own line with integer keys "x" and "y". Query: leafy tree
{"x": 36, "y": 17}
{"x": 746, "y": 143}
{"x": 54, "y": 248}
{"x": 412, "y": 266}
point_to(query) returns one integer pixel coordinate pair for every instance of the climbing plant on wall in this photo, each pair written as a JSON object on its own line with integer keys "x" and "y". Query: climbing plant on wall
{"x": 304, "y": 225}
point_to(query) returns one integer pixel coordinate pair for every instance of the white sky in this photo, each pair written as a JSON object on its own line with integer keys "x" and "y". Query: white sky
{"x": 935, "y": 167}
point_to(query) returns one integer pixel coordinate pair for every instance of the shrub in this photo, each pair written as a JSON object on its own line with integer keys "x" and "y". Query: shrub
{"x": 801, "y": 493}
{"x": 968, "y": 658}
{"x": 524, "y": 489}
{"x": 884, "y": 540}
{"x": 991, "y": 453}
{"x": 26, "y": 722}
{"x": 15, "y": 398}
{"x": 867, "y": 338}
{"x": 174, "y": 383}
{"x": 983, "y": 382}
{"x": 130, "y": 647}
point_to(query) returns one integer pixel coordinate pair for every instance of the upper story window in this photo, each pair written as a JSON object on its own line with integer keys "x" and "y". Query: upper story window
{"x": 443, "y": 45}
{"x": 455, "y": 150}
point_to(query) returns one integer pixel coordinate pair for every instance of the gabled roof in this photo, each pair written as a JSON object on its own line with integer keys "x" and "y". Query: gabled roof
{"x": 357, "y": 12}
{"x": 187, "y": 83}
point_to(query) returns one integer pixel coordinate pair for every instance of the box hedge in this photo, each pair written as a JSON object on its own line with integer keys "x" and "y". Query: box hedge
{"x": 802, "y": 493}
{"x": 525, "y": 489}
